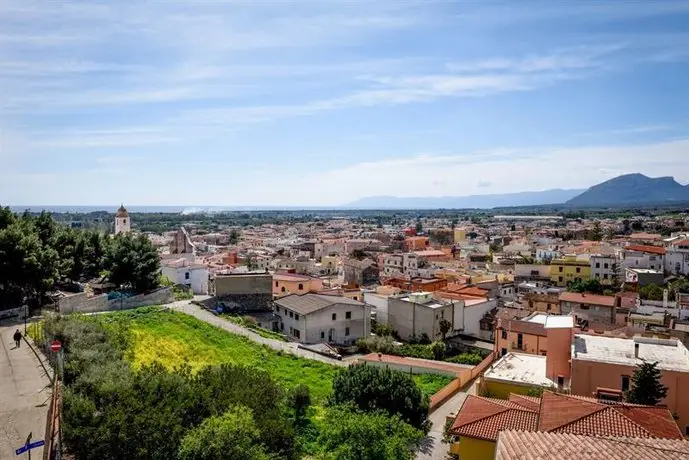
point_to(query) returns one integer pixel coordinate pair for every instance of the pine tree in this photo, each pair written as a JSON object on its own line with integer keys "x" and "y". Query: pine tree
{"x": 646, "y": 387}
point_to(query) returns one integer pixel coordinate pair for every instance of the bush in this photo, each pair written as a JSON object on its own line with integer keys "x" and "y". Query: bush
{"x": 373, "y": 388}
{"x": 466, "y": 358}
{"x": 384, "y": 344}
{"x": 249, "y": 321}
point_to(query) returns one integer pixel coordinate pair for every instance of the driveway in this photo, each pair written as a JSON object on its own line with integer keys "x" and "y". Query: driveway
{"x": 289, "y": 347}
{"x": 434, "y": 448}
{"x": 24, "y": 395}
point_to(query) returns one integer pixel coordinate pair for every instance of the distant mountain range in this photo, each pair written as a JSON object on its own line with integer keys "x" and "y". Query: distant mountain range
{"x": 626, "y": 190}
{"x": 553, "y": 196}
{"x": 633, "y": 189}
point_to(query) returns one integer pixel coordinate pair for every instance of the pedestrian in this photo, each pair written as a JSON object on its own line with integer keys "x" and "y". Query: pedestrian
{"x": 17, "y": 338}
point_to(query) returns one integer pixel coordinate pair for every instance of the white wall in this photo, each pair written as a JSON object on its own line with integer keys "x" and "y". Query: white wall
{"x": 473, "y": 314}
{"x": 195, "y": 278}
{"x": 380, "y": 303}
{"x": 676, "y": 258}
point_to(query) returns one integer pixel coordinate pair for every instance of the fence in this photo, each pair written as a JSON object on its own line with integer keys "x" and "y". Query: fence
{"x": 53, "y": 429}
{"x": 463, "y": 378}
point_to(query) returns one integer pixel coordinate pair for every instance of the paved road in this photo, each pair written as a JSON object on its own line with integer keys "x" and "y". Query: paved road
{"x": 24, "y": 395}
{"x": 288, "y": 347}
{"x": 435, "y": 449}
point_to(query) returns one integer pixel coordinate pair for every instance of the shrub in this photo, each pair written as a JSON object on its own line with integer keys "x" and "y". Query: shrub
{"x": 466, "y": 358}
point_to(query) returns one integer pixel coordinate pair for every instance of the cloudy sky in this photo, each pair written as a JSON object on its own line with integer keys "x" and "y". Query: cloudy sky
{"x": 321, "y": 103}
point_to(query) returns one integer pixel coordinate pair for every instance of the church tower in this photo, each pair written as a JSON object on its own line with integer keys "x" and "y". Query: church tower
{"x": 122, "y": 221}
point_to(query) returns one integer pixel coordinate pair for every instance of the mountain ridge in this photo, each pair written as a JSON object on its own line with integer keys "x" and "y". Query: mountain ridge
{"x": 635, "y": 188}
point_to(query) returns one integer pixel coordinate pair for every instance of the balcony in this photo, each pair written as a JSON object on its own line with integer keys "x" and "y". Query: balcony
{"x": 517, "y": 346}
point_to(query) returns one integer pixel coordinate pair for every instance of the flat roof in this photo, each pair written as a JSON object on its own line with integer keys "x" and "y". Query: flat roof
{"x": 559, "y": 322}
{"x": 670, "y": 354}
{"x": 520, "y": 368}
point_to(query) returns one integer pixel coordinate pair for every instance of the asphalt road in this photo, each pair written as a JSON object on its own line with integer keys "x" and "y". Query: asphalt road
{"x": 24, "y": 395}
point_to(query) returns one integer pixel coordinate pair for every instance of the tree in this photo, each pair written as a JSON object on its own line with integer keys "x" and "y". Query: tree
{"x": 351, "y": 434}
{"x": 596, "y": 234}
{"x": 383, "y": 330}
{"x": 300, "y": 400}
{"x": 591, "y": 285}
{"x": 651, "y": 292}
{"x": 373, "y": 388}
{"x": 646, "y": 387}
{"x": 438, "y": 349}
{"x": 358, "y": 254}
{"x": 232, "y": 435}
{"x": 419, "y": 227}
{"x": 445, "y": 327}
{"x": 133, "y": 263}
{"x": 234, "y": 236}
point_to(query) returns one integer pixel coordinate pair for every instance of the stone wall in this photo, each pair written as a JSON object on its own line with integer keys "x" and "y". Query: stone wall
{"x": 82, "y": 303}
{"x": 158, "y": 297}
{"x": 12, "y": 313}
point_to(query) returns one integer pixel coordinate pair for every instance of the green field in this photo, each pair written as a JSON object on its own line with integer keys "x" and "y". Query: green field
{"x": 173, "y": 338}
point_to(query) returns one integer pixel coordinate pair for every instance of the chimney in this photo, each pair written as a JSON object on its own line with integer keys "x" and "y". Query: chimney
{"x": 636, "y": 350}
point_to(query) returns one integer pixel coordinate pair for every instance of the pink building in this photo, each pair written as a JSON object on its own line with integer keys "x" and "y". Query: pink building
{"x": 603, "y": 366}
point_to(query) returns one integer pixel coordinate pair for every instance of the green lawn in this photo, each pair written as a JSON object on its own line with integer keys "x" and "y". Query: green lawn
{"x": 431, "y": 383}
{"x": 173, "y": 338}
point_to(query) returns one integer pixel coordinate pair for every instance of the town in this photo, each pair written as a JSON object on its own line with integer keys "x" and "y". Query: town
{"x": 520, "y": 331}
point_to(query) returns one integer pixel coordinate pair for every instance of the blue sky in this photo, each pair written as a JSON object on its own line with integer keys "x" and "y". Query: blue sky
{"x": 321, "y": 103}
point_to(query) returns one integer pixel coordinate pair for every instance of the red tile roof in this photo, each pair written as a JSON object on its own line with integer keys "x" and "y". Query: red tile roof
{"x": 645, "y": 248}
{"x": 561, "y": 446}
{"x": 681, "y": 243}
{"x": 523, "y": 327}
{"x": 592, "y": 299}
{"x": 572, "y": 414}
{"x": 484, "y": 418}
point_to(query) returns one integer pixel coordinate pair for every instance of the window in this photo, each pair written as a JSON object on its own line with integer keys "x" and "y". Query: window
{"x": 291, "y": 315}
{"x": 605, "y": 265}
{"x": 276, "y": 284}
{"x": 301, "y": 287}
{"x": 560, "y": 381}
{"x": 559, "y": 269}
{"x": 322, "y": 335}
{"x": 503, "y": 352}
{"x": 625, "y": 383}
{"x": 504, "y": 334}
{"x": 296, "y": 316}
{"x": 296, "y": 333}
{"x": 334, "y": 316}
{"x": 186, "y": 276}
{"x": 356, "y": 298}
{"x": 578, "y": 269}
{"x": 346, "y": 331}
{"x": 520, "y": 341}
{"x": 348, "y": 315}
{"x": 598, "y": 265}
{"x": 548, "y": 307}
{"x": 277, "y": 309}
{"x": 283, "y": 289}
{"x": 605, "y": 276}
{"x": 559, "y": 278}
{"x": 584, "y": 307}
{"x": 597, "y": 275}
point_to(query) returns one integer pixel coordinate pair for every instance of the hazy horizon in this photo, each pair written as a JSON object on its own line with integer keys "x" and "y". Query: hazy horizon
{"x": 303, "y": 104}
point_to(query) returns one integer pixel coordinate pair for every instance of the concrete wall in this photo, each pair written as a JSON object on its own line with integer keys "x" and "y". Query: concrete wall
{"x": 81, "y": 303}
{"x": 12, "y": 313}
{"x": 380, "y": 303}
{"x": 259, "y": 283}
{"x": 473, "y": 315}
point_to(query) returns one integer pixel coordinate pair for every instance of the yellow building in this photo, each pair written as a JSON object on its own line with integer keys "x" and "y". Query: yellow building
{"x": 567, "y": 269}
{"x": 460, "y": 235}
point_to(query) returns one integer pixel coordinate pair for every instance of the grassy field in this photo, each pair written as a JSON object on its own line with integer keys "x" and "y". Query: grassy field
{"x": 173, "y": 338}
{"x": 431, "y": 383}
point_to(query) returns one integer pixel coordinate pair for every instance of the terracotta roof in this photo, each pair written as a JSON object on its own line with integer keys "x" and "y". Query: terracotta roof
{"x": 681, "y": 242}
{"x": 122, "y": 212}
{"x": 645, "y": 248}
{"x": 562, "y": 446}
{"x": 592, "y": 299}
{"x": 564, "y": 413}
{"x": 484, "y": 418}
{"x": 528, "y": 402}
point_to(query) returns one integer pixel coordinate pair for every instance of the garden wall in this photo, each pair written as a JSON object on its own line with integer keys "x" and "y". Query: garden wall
{"x": 81, "y": 303}
{"x": 464, "y": 377}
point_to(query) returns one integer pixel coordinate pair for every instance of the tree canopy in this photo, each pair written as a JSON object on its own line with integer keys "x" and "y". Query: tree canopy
{"x": 371, "y": 389}
{"x": 646, "y": 386}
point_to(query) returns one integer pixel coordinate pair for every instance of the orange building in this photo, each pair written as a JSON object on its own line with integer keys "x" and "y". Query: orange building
{"x": 287, "y": 283}
{"x": 415, "y": 243}
{"x": 527, "y": 335}
{"x": 417, "y": 284}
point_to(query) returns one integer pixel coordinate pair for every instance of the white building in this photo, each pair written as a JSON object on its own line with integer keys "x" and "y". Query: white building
{"x": 603, "y": 267}
{"x": 182, "y": 271}
{"x": 317, "y": 318}
{"x": 122, "y": 221}
{"x": 677, "y": 257}
{"x": 642, "y": 256}
{"x": 413, "y": 315}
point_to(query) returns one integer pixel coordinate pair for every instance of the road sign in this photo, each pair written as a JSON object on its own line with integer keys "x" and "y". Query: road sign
{"x": 55, "y": 346}
{"x": 29, "y": 446}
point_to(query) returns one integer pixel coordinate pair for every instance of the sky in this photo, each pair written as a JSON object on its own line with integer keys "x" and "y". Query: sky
{"x": 321, "y": 103}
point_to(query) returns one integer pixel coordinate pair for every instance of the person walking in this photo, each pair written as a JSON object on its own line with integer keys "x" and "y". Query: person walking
{"x": 17, "y": 338}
